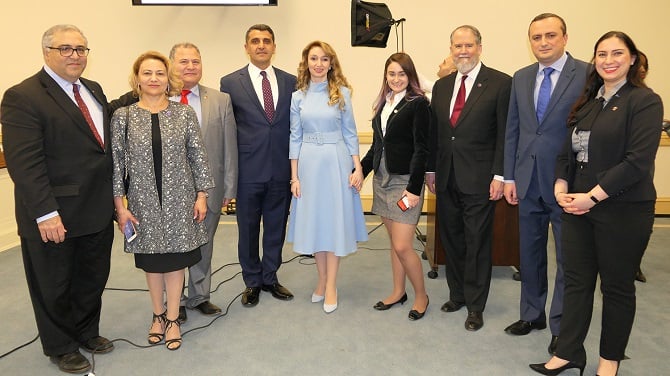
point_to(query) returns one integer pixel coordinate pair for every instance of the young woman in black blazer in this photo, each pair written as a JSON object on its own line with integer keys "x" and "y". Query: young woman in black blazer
{"x": 604, "y": 183}
{"x": 398, "y": 157}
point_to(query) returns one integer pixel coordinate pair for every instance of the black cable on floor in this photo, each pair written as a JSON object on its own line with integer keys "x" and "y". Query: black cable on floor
{"x": 20, "y": 347}
{"x": 146, "y": 290}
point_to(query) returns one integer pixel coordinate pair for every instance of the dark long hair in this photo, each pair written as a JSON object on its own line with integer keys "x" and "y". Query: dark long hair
{"x": 413, "y": 87}
{"x": 594, "y": 81}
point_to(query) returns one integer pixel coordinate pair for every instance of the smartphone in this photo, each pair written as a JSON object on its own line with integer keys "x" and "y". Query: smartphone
{"x": 403, "y": 203}
{"x": 129, "y": 231}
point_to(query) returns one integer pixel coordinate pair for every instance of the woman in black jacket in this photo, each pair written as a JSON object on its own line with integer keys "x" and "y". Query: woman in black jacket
{"x": 605, "y": 185}
{"x": 398, "y": 157}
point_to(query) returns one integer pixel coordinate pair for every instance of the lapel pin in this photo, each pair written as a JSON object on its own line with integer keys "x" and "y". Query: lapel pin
{"x": 395, "y": 111}
{"x": 615, "y": 108}
{"x": 479, "y": 84}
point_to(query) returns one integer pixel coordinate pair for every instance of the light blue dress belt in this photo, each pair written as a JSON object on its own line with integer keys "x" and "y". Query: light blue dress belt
{"x": 322, "y": 137}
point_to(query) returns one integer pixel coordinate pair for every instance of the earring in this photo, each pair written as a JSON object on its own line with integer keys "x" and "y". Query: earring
{"x": 167, "y": 89}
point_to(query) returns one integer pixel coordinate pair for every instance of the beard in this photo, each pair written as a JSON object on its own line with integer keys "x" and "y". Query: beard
{"x": 466, "y": 65}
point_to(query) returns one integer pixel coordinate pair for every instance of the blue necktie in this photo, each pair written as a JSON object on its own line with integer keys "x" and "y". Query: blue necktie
{"x": 544, "y": 95}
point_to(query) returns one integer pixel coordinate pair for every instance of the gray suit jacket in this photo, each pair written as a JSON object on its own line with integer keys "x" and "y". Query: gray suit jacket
{"x": 219, "y": 134}
{"x": 531, "y": 146}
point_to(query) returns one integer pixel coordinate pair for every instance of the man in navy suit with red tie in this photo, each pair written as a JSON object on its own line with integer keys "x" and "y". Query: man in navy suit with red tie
{"x": 261, "y": 96}
{"x": 55, "y": 128}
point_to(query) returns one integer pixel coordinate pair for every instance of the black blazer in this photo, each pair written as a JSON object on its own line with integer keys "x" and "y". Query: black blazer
{"x": 475, "y": 144}
{"x": 622, "y": 146}
{"x": 54, "y": 159}
{"x": 404, "y": 144}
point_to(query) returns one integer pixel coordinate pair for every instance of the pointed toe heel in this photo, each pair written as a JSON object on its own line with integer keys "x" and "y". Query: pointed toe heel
{"x": 542, "y": 368}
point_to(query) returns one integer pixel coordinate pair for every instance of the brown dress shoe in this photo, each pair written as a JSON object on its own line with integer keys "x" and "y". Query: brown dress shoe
{"x": 98, "y": 345}
{"x": 207, "y": 308}
{"x": 72, "y": 362}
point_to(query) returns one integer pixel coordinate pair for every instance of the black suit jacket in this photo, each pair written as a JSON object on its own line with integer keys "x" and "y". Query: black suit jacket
{"x": 404, "y": 144}
{"x": 54, "y": 159}
{"x": 475, "y": 144}
{"x": 622, "y": 146}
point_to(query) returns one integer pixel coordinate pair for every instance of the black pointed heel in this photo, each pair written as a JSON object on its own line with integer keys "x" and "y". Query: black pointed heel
{"x": 541, "y": 368}
{"x": 380, "y": 306}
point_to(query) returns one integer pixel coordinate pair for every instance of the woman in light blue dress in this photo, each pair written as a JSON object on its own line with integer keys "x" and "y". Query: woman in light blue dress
{"x": 326, "y": 174}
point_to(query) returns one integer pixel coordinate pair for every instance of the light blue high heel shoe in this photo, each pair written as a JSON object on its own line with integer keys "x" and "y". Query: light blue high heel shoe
{"x": 328, "y": 308}
{"x": 317, "y": 298}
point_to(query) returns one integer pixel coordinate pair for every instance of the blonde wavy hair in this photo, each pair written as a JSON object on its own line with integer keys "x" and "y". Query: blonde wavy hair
{"x": 174, "y": 83}
{"x": 335, "y": 77}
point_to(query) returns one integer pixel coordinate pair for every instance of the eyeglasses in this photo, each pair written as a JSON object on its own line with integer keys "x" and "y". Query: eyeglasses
{"x": 67, "y": 51}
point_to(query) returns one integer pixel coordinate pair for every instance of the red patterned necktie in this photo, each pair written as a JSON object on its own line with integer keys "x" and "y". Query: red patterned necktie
{"x": 184, "y": 96}
{"x": 268, "y": 102}
{"x": 460, "y": 102}
{"x": 87, "y": 115}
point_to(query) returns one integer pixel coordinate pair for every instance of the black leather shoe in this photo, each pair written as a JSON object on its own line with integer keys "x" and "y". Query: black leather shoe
{"x": 452, "y": 306}
{"x": 98, "y": 345}
{"x": 182, "y": 315}
{"x": 72, "y": 362}
{"x": 521, "y": 328}
{"x": 416, "y": 315}
{"x": 278, "y": 291}
{"x": 475, "y": 321}
{"x": 552, "y": 345}
{"x": 207, "y": 308}
{"x": 250, "y": 296}
{"x": 541, "y": 368}
{"x": 639, "y": 276}
{"x": 381, "y": 306}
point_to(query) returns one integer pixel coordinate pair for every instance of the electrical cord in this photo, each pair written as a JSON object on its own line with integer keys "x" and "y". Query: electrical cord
{"x": 20, "y": 347}
{"x": 301, "y": 261}
{"x": 146, "y": 290}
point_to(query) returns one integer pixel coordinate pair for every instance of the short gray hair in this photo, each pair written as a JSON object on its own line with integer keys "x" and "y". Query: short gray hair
{"x": 474, "y": 30}
{"x": 173, "y": 51}
{"x": 48, "y": 36}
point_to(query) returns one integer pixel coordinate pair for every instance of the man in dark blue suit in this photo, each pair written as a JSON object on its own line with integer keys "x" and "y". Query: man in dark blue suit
{"x": 536, "y": 130}
{"x": 261, "y": 96}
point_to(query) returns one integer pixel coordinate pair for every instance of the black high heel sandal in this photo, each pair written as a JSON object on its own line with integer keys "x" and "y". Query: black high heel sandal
{"x": 541, "y": 368}
{"x": 381, "y": 306}
{"x": 169, "y": 342}
{"x": 154, "y": 338}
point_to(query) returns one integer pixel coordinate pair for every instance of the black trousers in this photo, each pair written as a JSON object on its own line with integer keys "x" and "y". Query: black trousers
{"x": 608, "y": 241}
{"x": 466, "y": 230}
{"x": 65, "y": 282}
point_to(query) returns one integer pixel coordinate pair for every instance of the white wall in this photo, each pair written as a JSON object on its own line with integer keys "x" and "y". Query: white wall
{"x": 118, "y": 32}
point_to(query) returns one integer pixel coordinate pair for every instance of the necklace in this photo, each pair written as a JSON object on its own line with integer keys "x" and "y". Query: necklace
{"x": 154, "y": 106}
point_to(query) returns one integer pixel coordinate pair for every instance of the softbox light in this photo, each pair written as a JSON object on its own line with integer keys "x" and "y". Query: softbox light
{"x": 370, "y": 24}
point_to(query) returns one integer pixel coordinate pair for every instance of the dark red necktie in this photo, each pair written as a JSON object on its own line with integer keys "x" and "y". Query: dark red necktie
{"x": 87, "y": 115}
{"x": 184, "y": 96}
{"x": 460, "y": 102}
{"x": 268, "y": 102}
